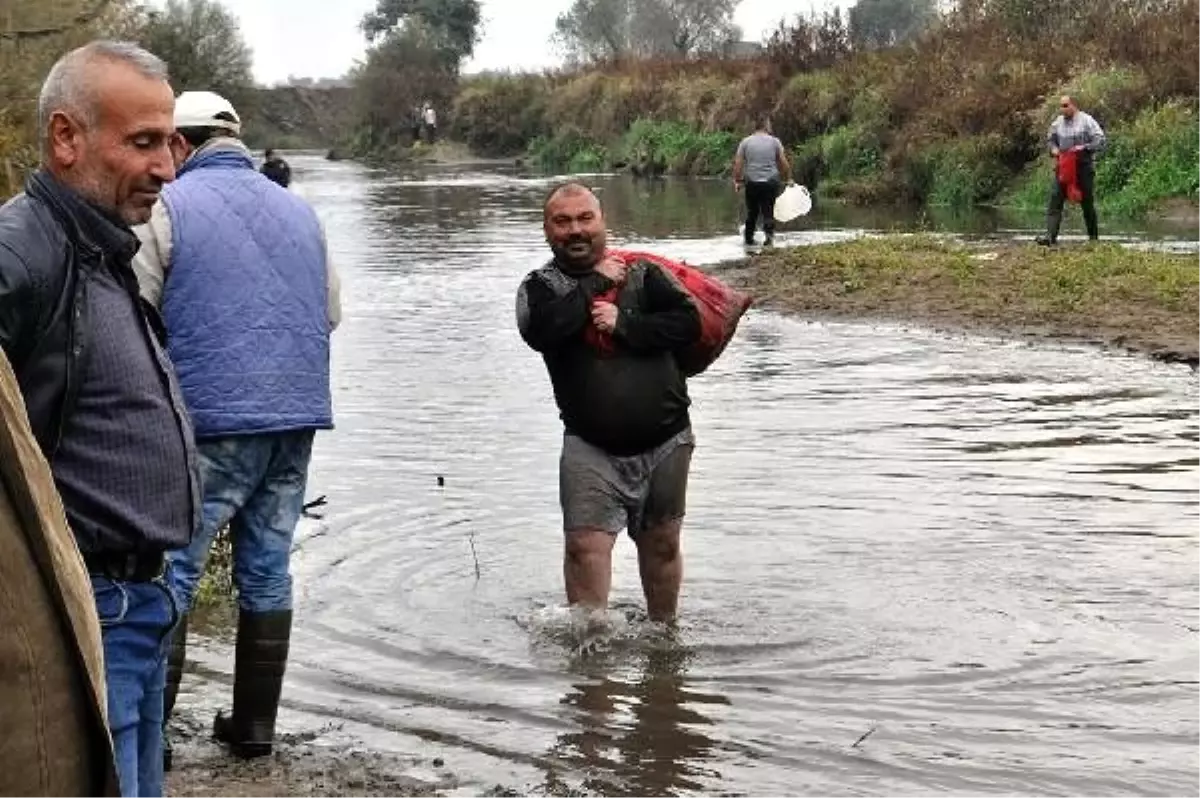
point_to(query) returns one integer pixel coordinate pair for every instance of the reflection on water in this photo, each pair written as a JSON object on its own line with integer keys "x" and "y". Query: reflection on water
{"x": 985, "y": 551}
{"x": 684, "y": 208}
{"x": 651, "y": 729}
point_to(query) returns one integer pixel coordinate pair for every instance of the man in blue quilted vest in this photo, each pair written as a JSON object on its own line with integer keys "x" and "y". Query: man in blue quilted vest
{"x": 241, "y": 270}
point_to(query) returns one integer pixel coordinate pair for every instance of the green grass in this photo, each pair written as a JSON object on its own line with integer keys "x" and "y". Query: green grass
{"x": 1153, "y": 158}
{"x": 216, "y": 584}
{"x": 680, "y": 148}
{"x": 1148, "y": 300}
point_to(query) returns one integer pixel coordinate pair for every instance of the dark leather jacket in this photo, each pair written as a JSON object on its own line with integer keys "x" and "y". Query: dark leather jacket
{"x": 51, "y": 243}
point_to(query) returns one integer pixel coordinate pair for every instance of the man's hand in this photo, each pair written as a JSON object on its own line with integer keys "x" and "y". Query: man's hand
{"x": 613, "y": 268}
{"x": 1078, "y": 148}
{"x": 604, "y": 316}
{"x": 1054, "y": 151}
{"x": 737, "y": 186}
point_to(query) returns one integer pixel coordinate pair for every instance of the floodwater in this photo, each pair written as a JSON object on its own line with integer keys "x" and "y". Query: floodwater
{"x": 915, "y": 563}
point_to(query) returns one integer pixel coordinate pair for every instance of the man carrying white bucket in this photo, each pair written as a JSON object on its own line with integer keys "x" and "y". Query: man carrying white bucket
{"x": 761, "y": 165}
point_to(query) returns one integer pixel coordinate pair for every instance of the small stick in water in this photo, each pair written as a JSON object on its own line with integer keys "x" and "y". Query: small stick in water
{"x": 474, "y": 556}
{"x": 868, "y": 733}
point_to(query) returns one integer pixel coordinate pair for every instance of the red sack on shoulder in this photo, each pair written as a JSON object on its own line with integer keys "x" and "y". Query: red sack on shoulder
{"x": 721, "y": 308}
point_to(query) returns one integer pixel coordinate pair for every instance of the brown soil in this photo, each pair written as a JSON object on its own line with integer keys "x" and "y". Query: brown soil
{"x": 1178, "y": 209}
{"x": 296, "y": 771}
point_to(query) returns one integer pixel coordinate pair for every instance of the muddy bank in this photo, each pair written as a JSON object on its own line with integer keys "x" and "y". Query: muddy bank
{"x": 1103, "y": 294}
{"x": 440, "y": 153}
{"x": 296, "y": 770}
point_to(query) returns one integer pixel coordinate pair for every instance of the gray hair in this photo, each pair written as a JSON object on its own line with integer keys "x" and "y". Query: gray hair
{"x": 67, "y": 87}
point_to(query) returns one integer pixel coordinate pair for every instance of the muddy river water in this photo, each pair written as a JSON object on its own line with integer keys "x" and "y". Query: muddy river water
{"x": 915, "y": 563}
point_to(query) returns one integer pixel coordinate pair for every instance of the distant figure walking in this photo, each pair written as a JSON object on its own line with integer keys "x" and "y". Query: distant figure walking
{"x": 760, "y": 165}
{"x": 431, "y": 123}
{"x": 1074, "y": 140}
{"x": 276, "y": 169}
{"x": 418, "y": 122}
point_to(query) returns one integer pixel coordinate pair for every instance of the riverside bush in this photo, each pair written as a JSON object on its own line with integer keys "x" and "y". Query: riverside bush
{"x": 957, "y": 118}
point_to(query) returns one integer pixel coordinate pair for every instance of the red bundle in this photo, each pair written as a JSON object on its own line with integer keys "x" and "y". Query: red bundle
{"x": 1068, "y": 175}
{"x": 721, "y": 308}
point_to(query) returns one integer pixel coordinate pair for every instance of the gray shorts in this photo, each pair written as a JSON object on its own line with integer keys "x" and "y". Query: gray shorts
{"x": 600, "y": 491}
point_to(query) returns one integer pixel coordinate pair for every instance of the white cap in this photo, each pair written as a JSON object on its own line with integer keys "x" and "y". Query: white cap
{"x": 206, "y": 109}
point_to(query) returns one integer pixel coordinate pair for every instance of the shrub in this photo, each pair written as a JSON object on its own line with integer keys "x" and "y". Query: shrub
{"x": 500, "y": 115}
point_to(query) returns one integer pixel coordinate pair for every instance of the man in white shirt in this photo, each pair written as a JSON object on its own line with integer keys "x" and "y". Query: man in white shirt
{"x": 430, "y": 116}
{"x": 1079, "y": 135}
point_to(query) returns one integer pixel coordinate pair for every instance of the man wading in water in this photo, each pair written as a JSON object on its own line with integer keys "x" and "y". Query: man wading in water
{"x": 761, "y": 165}
{"x": 628, "y": 439}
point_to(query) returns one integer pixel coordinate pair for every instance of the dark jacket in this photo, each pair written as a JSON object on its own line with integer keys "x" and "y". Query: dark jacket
{"x": 629, "y": 401}
{"x": 48, "y": 256}
{"x": 277, "y": 171}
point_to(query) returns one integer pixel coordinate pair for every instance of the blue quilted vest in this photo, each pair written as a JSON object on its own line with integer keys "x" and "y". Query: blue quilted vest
{"x": 245, "y": 300}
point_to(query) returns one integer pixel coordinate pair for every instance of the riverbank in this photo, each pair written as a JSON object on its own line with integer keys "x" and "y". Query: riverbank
{"x": 1104, "y": 294}
{"x": 958, "y": 118}
{"x": 297, "y": 769}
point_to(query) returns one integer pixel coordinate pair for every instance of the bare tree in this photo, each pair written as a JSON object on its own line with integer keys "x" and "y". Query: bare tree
{"x": 688, "y": 26}
{"x": 592, "y": 30}
{"x": 596, "y": 29}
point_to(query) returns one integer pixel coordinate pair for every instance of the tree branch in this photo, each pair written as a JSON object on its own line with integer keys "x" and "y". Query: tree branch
{"x": 85, "y": 17}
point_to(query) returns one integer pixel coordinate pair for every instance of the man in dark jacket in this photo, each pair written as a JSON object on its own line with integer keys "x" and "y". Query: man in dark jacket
{"x": 255, "y": 376}
{"x": 628, "y": 438}
{"x": 276, "y": 169}
{"x": 102, "y": 397}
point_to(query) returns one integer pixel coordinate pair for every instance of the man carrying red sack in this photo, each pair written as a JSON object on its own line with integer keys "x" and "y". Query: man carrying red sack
{"x": 623, "y": 399}
{"x": 1074, "y": 140}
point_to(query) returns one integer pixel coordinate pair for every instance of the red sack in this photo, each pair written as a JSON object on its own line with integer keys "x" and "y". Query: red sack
{"x": 721, "y": 308}
{"x": 1068, "y": 175}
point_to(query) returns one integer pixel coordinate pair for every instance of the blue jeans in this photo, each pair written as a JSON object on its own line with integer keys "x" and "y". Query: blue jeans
{"x": 255, "y": 484}
{"x": 136, "y": 619}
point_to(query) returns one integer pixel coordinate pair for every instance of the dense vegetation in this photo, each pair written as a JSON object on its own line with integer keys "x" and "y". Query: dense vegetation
{"x": 954, "y": 115}
{"x": 199, "y": 39}
{"x": 891, "y": 102}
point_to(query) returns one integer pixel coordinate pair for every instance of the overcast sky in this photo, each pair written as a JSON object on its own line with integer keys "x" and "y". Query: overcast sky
{"x": 320, "y": 38}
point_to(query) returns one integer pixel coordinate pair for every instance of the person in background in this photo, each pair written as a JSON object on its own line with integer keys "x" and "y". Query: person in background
{"x": 1076, "y": 132}
{"x": 760, "y": 166}
{"x": 418, "y": 122}
{"x": 249, "y": 310}
{"x": 276, "y": 169}
{"x": 431, "y": 123}
{"x": 627, "y": 442}
{"x": 102, "y": 397}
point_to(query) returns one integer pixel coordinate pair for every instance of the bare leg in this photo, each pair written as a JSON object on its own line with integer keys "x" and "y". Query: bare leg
{"x": 661, "y": 565}
{"x": 587, "y": 567}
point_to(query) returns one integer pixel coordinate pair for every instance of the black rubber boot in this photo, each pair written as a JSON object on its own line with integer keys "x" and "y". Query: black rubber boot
{"x": 261, "y": 659}
{"x": 1053, "y": 222}
{"x": 1091, "y": 223}
{"x": 175, "y": 659}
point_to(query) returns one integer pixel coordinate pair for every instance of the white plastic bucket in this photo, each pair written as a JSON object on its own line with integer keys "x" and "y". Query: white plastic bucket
{"x": 794, "y": 201}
